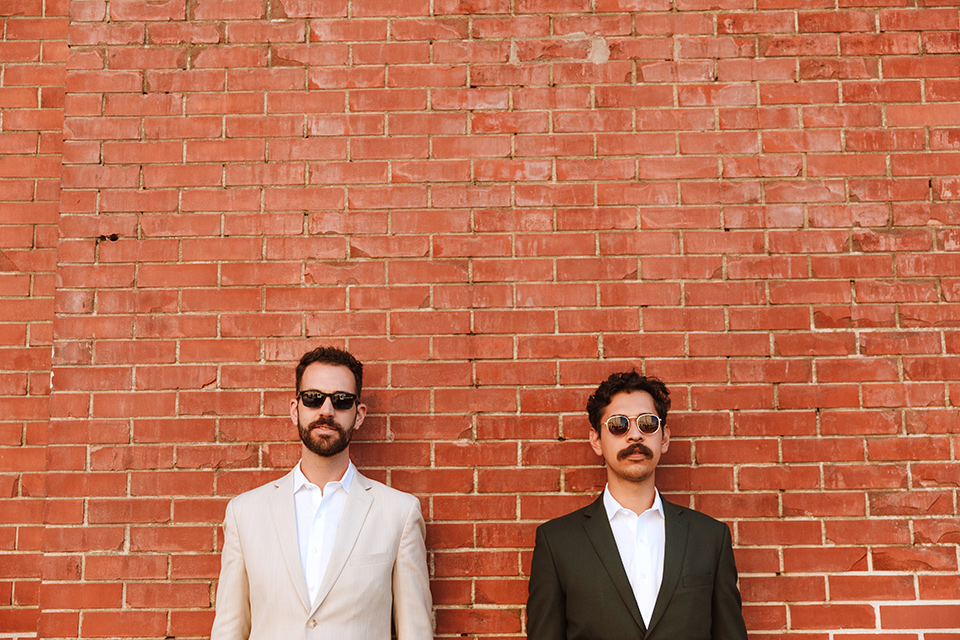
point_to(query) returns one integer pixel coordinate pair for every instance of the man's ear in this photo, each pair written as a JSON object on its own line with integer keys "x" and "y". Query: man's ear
{"x": 595, "y": 441}
{"x": 665, "y": 442}
{"x": 294, "y": 417}
{"x": 361, "y": 414}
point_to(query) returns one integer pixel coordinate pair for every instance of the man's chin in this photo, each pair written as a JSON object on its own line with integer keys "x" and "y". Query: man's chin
{"x": 637, "y": 478}
{"x": 326, "y": 445}
{"x": 327, "y": 451}
{"x": 632, "y": 471}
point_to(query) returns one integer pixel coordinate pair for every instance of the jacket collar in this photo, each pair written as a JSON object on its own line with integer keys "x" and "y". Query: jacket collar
{"x": 597, "y": 526}
{"x": 284, "y": 516}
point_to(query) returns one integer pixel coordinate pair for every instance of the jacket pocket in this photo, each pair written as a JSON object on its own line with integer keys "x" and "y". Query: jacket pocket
{"x": 698, "y": 580}
{"x": 371, "y": 558}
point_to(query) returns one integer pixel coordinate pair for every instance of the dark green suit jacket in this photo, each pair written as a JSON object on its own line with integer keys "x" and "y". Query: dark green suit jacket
{"x": 579, "y": 589}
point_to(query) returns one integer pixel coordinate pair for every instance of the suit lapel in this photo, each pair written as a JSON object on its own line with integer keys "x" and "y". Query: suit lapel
{"x": 355, "y": 512}
{"x": 598, "y": 530}
{"x": 284, "y": 515}
{"x": 676, "y": 529}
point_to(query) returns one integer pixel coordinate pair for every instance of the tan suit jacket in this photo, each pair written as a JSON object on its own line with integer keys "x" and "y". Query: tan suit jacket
{"x": 377, "y": 568}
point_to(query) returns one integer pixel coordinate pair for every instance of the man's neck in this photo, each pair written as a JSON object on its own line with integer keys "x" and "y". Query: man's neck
{"x": 320, "y": 470}
{"x": 636, "y": 496}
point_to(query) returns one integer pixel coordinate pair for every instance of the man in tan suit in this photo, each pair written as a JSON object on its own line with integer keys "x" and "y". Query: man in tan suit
{"x": 324, "y": 552}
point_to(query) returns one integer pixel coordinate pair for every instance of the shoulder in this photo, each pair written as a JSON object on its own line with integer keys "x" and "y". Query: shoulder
{"x": 696, "y": 520}
{"x": 573, "y": 521}
{"x": 262, "y": 495}
{"x": 387, "y": 495}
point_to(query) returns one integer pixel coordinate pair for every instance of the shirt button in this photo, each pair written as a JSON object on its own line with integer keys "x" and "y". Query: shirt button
{"x": 312, "y": 624}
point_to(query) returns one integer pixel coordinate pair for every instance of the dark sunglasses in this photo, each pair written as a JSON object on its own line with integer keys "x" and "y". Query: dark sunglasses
{"x": 341, "y": 400}
{"x": 647, "y": 423}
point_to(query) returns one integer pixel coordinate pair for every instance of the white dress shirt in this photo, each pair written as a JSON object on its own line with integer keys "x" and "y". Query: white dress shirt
{"x": 640, "y": 541}
{"x": 318, "y": 517}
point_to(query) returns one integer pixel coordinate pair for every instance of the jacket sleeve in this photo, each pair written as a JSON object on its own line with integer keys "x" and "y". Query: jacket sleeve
{"x": 546, "y": 610}
{"x": 412, "y": 602}
{"x": 727, "y": 614}
{"x": 232, "y": 619}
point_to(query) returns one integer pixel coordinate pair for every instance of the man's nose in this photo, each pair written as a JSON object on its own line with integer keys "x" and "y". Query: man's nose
{"x": 327, "y": 407}
{"x": 633, "y": 430}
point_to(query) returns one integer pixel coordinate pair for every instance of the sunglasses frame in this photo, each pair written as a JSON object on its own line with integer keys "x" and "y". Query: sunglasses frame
{"x": 656, "y": 420}
{"x": 335, "y": 398}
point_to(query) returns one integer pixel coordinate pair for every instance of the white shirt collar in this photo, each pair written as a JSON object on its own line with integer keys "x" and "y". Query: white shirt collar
{"x": 300, "y": 480}
{"x": 613, "y": 507}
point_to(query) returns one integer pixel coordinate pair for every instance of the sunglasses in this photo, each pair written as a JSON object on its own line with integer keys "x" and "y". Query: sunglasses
{"x": 341, "y": 400}
{"x": 647, "y": 423}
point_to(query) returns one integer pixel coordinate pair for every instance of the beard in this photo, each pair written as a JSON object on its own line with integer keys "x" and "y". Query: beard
{"x": 325, "y": 445}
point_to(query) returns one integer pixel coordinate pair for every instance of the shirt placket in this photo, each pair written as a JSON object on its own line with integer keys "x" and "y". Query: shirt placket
{"x": 645, "y": 568}
{"x": 630, "y": 521}
{"x": 315, "y": 546}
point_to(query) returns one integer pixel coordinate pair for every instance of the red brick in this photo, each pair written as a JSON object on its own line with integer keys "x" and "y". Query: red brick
{"x": 774, "y": 477}
{"x": 859, "y": 477}
{"x": 836, "y": 449}
{"x": 190, "y": 623}
{"x": 169, "y": 595}
{"x": 854, "y": 317}
{"x": 927, "y": 617}
{"x": 782, "y": 318}
{"x": 793, "y": 532}
{"x": 919, "y": 503}
{"x": 920, "y": 559}
{"x": 930, "y": 421}
{"x": 782, "y": 588}
{"x": 129, "y": 623}
{"x": 934, "y": 587}
{"x": 500, "y": 592}
{"x": 479, "y": 621}
{"x": 824, "y": 504}
{"x": 833, "y": 616}
{"x": 827, "y": 559}
{"x": 936, "y": 530}
{"x": 487, "y": 507}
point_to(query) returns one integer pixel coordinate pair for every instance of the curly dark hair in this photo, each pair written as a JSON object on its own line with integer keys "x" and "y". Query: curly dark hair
{"x": 627, "y": 382}
{"x": 334, "y": 356}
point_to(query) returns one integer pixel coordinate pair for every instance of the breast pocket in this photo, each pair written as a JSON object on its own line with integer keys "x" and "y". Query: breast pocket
{"x": 697, "y": 580}
{"x": 370, "y": 558}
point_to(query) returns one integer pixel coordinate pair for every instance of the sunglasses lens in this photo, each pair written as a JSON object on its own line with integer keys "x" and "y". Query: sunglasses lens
{"x": 618, "y": 425}
{"x": 343, "y": 401}
{"x": 315, "y": 400}
{"x": 312, "y": 399}
{"x": 648, "y": 423}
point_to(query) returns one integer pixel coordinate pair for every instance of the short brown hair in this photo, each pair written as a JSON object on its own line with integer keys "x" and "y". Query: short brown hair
{"x": 334, "y": 356}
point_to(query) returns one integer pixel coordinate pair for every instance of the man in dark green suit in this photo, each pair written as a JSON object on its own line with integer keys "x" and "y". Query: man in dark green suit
{"x": 632, "y": 565}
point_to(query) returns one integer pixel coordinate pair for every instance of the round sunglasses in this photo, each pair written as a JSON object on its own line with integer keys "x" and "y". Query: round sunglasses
{"x": 647, "y": 423}
{"x": 341, "y": 400}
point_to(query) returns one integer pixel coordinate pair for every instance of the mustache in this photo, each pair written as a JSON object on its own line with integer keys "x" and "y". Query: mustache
{"x": 636, "y": 447}
{"x": 325, "y": 421}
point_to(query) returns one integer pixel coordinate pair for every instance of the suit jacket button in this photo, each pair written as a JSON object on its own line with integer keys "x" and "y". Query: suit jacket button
{"x": 312, "y": 624}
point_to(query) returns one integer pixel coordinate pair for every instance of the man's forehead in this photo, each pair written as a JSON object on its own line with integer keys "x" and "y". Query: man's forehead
{"x": 330, "y": 372}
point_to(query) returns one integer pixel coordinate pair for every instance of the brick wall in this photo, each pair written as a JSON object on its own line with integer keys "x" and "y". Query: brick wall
{"x": 494, "y": 204}
{"x": 33, "y": 52}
